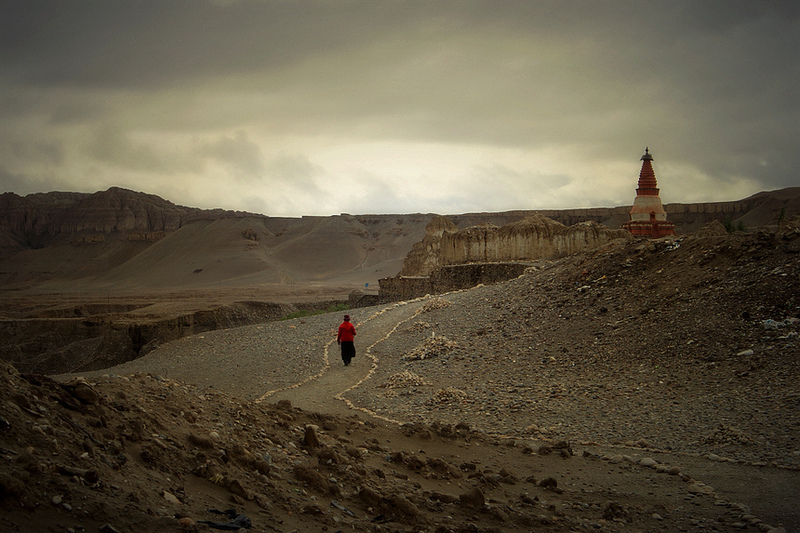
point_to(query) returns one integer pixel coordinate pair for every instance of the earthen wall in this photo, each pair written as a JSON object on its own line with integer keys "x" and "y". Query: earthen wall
{"x": 448, "y": 278}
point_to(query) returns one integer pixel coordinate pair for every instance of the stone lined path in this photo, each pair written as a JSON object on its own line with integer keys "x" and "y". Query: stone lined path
{"x": 324, "y": 391}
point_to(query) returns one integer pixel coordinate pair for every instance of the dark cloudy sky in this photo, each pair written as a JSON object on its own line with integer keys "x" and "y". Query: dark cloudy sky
{"x": 324, "y": 107}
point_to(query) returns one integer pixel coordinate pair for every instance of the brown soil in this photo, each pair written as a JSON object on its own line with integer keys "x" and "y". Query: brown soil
{"x": 649, "y": 387}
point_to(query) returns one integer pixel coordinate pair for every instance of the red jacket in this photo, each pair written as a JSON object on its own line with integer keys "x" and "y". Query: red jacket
{"x": 346, "y": 332}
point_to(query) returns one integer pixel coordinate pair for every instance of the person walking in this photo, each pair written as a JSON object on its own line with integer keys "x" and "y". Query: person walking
{"x": 347, "y": 332}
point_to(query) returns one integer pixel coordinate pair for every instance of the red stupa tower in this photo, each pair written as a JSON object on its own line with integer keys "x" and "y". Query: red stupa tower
{"x": 647, "y": 216}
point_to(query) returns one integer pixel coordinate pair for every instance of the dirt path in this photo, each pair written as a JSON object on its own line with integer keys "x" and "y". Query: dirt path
{"x": 296, "y": 360}
{"x": 324, "y": 391}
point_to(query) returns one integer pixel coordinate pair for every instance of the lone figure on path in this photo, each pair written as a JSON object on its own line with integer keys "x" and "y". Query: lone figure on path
{"x": 345, "y": 339}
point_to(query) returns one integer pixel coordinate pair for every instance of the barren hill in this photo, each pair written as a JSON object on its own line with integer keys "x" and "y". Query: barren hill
{"x": 120, "y": 240}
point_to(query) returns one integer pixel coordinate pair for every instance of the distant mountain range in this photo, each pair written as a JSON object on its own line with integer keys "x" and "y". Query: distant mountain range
{"x": 124, "y": 240}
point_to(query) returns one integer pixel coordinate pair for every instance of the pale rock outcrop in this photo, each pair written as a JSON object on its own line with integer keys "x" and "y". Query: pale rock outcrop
{"x": 425, "y": 255}
{"x": 534, "y": 237}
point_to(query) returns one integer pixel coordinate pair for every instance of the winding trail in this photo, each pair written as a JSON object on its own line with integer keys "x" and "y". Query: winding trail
{"x": 334, "y": 380}
{"x": 299, "y": 358}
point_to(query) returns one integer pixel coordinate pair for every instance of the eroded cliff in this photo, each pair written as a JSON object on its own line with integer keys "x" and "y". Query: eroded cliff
{"x": 534, "y": 237}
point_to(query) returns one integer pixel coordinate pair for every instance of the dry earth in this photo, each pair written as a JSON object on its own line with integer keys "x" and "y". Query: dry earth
{"x": 643, "y": 387}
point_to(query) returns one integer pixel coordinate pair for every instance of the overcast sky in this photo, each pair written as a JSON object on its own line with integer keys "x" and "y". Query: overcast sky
{"x": 319, "y": 108}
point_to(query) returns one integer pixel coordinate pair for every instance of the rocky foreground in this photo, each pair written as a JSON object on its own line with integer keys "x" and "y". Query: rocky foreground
{"x": 650, "y": 386}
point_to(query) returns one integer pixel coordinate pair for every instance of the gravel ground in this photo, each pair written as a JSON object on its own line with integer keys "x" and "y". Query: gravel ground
{"x": 686, "y": 350}
{"x": 599, "y": 349}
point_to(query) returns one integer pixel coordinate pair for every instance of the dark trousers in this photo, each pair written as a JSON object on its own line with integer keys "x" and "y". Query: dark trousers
{"x": 348, "y": 351}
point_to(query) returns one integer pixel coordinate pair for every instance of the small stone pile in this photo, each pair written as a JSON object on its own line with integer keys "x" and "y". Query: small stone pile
{"x": 433, "y": 347}
{"x": 449, "y": 395}
{"x": 725, "y": 434}
{"x": 417, "y": 327}
{"x": 403, "y": 379}
{"x": 435, "y": 304}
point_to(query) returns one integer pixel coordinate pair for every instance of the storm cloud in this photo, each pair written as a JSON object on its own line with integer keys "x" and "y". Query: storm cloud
{"x": 294, "y": 108}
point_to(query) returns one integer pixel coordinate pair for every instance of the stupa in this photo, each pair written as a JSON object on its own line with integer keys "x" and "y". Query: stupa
{"x": 647, "y": 216}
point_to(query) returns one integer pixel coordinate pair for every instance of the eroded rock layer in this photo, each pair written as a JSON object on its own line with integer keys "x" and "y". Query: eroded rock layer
{"x": 534, "y": 237}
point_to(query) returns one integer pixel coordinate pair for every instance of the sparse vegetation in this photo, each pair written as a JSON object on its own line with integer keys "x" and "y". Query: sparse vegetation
{"x": 307, "y": 312}
{"x": 732, "y": 227}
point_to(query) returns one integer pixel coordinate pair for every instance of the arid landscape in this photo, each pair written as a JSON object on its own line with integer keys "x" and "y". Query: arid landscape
{"x": 149, "y": 385}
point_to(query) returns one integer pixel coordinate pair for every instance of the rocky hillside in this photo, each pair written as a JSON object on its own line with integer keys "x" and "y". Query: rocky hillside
{"x": 121, "y": 240}
{"x": 38, "y": 220}
{"x": 645, "y": 386}
{"x": 124, "y": 240}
